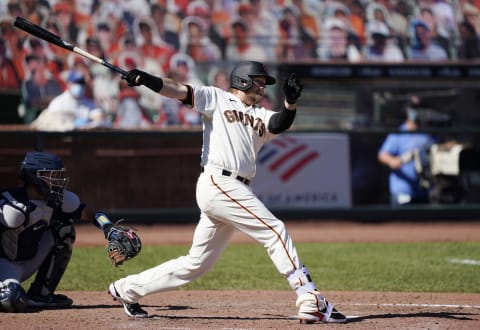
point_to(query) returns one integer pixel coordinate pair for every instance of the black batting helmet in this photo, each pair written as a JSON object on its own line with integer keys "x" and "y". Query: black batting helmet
{"x": 242, "y": 74}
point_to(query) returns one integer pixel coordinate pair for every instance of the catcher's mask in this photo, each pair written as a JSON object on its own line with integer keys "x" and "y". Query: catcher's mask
{"x": 46, "y": 172}
{"x": 242, "y": 75}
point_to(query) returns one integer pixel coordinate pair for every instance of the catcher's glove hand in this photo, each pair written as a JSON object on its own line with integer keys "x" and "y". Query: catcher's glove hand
{"x": 123, "y": 243}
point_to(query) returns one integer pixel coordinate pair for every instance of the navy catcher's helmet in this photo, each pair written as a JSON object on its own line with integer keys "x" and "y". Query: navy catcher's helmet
{"x": 46, "y": 172}
{"x": 242, "y": 74}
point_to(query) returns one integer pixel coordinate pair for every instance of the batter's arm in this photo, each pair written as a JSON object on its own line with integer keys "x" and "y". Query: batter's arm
{"x": 164, "y": 86}
{"x": 283, "y": 119}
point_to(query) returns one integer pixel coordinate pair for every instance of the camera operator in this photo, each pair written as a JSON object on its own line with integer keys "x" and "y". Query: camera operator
{"x": 399, "y": 152}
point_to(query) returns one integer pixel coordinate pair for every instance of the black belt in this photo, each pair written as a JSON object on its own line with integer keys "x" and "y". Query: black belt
{"x": 238, "y": 177}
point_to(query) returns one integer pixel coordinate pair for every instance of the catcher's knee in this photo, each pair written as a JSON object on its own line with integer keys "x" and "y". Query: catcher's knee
{"x": 13, "y": 298}
{"x": 65, "y": 234}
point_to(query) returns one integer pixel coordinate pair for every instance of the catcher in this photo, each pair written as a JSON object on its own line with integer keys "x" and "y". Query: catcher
{"x": 37, "y": 234}
{"x": 123, "y": 243}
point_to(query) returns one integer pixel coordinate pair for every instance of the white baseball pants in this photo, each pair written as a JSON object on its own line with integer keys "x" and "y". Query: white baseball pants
{"x": 226, "y": 204}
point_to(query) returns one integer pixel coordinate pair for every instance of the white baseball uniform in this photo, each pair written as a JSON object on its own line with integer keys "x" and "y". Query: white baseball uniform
{"x": 232, "y": 137}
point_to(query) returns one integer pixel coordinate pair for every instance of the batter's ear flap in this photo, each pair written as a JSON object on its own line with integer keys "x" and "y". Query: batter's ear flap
{"x": 189, "y": 101}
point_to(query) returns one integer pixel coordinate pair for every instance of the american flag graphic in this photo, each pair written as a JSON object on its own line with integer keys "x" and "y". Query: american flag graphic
{"x": 286, "y": 156}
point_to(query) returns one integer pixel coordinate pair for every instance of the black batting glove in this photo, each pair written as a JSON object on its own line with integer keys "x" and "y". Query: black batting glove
{"x": 292, "y": 89}
{"x": 137, "y": 77}
{"x": 134, "y": 77}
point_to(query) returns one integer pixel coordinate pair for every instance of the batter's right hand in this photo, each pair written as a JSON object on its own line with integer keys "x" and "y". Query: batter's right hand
{"x": 134, "y": 77}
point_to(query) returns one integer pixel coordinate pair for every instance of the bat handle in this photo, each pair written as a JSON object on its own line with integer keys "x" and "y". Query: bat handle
{"x": 115, "y": 68}
{"x": 94, "y": 58}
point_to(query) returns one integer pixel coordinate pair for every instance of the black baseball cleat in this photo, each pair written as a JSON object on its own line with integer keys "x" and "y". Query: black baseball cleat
{"x": 132, "y": 310}
{"x": 50, "y": 301}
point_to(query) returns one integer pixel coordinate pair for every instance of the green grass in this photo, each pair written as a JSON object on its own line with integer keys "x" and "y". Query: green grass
{"x": 415, "y": 267}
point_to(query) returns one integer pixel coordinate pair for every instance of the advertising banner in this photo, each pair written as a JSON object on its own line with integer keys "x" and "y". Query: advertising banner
{"x": 304, "y": 171}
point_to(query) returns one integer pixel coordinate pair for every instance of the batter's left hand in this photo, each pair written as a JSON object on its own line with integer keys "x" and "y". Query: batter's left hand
{"x": 292, "y": 89}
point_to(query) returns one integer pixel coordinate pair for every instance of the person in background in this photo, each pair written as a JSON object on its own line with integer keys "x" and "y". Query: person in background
{"x": 262, "y": 24}
{"x": 398, "y": 153}
{"x": 9, "y": 76}
{"x": 155, "y": 52}
{"x": 39, "y": 89}
{"x": 423, "y": 46}
{"x": 163, "y": 22}
{"x": 64, "y": 12}
{"x": 72, "y": 109}
{"x": 439, "y": 35}
{"x": 295, "y": 43}
{"x": 381, "y": 47}
{"x": 335, "y": 45}
{"x": 182, "y": 70}
{"x": 13, "y": 44}
{"x": 215, "y": 21}
{"x": 470, "y": 13}
{"x": 469, "y": 43}
{"x": 399, "y": 24}
{"x": 130, "y": 113}
{"x": 219, "y": 78}
{"x": 241, "y": 47}
{"x": 37, "y": 233}
{"x": 195, "y": 42}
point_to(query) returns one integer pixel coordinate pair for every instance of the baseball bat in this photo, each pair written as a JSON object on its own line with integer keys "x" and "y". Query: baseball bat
{"x": 50, "y": 37}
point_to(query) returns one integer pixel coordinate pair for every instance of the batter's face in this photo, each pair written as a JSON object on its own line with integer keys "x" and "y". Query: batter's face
{"x": 257, "y": 92}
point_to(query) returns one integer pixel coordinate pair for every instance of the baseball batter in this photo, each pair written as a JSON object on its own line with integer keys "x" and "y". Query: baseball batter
{"x": 234, "y": 129}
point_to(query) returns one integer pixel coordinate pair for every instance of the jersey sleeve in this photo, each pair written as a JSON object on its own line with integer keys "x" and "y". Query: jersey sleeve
{"x": 267, "y": 115}
{"x": 206, "y": 99}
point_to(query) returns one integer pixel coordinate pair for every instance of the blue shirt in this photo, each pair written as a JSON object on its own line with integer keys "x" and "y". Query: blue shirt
{"x": 405, "y": 180}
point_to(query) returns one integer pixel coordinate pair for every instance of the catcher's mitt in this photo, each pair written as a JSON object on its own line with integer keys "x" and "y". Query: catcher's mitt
{"x": 123, "y": 243}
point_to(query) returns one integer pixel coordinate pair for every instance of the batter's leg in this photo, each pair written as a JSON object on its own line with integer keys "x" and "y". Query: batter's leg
{"x": 209, "y": 240}
{"x": 246, "y": 212}
{"x": 233, "y": 202}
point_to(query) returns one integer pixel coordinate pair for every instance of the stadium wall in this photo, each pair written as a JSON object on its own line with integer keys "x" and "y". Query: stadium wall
{"x": 150, "y": 176}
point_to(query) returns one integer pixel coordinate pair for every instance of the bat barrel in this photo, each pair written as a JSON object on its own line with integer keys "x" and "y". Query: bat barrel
{"x": 50, "y": 37}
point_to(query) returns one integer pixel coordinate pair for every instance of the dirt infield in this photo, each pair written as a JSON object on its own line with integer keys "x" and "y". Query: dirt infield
{"x": 185, "y": 309}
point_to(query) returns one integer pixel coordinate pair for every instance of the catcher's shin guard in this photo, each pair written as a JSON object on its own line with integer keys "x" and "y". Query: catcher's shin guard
{"x": 53, "y": 267}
